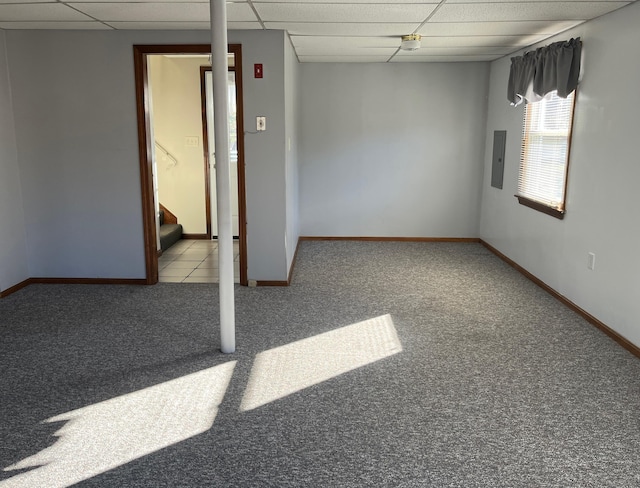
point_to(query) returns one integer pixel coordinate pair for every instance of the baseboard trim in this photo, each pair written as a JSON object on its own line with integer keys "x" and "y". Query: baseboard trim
{"x": 202, "y": 237}
{"x": 621, "y": 340}
{"x": 15, "y": 288}
{"x": 88, "y": 281}
{"x": 71, "y": 281}
{"x": 271, "y": 283}
{"x": 391, "y": 239}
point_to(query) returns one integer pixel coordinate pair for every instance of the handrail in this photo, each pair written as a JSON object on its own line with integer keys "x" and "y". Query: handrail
{"x": 167, "y": 154}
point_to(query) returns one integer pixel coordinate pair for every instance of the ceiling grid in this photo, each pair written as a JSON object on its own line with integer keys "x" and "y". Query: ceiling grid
{"x": 334, "y": 30}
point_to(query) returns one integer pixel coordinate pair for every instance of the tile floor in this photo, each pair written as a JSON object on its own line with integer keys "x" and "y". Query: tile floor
{"x": 194, "y": 261}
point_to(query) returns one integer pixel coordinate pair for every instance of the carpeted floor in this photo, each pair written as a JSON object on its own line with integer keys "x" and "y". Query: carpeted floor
{"x": 383, "y": 364}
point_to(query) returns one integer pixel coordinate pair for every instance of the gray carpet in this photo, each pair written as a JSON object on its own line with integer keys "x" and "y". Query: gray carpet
{"x": 383, "y": 364}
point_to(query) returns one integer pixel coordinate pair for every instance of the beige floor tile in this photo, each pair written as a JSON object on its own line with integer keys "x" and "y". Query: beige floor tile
{"x": 170, "y": 279}
{"x": 181, "y": 265}
{"x": 204, "y": 245}
{"x": 204, "y": 273}
{"x": 201, "y": 280}
{"x": 208, "y": 264}
{"x": 194, "y": 261}
{"x": 164, "y": 263}
{"x": 195, "y": 254}
{"x": 183, "y": 272}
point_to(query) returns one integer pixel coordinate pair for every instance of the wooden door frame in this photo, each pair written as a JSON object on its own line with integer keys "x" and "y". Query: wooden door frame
{"x": 140, "y": 53}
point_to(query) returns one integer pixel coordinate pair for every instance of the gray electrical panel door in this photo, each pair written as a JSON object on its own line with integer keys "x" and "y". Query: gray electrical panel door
{"x": 497, "y": 163}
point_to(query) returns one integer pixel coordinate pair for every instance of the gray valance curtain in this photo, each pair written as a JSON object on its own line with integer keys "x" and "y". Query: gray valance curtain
{"x": 536, "y": 73}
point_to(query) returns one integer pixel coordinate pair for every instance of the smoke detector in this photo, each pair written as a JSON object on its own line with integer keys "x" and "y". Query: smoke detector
{"x": 410, "y": 42}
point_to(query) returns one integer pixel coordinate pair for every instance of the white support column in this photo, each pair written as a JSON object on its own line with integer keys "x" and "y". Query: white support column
{"x": 219, "y": 68}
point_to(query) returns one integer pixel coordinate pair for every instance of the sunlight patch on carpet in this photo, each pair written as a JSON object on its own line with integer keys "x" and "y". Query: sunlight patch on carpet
{"x": 287, "y": 369}
{"x": 108, "y": 434}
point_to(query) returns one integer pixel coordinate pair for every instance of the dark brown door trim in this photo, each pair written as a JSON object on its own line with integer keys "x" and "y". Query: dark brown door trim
{"x": 205, "y": 148}
{"x": 140, "y": 53}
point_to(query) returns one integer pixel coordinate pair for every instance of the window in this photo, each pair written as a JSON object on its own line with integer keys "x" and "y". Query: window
{"x": 546, "y": 137}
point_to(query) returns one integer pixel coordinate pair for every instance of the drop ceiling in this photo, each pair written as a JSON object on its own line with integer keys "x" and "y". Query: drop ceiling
{"x": 336, "y": 31}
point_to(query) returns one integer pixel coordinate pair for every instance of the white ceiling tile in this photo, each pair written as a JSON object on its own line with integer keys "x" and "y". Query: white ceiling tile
{"x": 182, "y": 25}
{"x": 345, "y": 42}
{"x": 170, "y": 25}
{"x": 523, "y": 1}
{"x": 181, "y": 12}
{"x": 479, "y": 41}
{"x": 55, "y": 25}
{"x": 496, "y": 28}
{"x": 39, "y": 12}
{"x": 388, "y": 2}
{"x": 138, "y": 1}
{"x": 485, "y": 12}
{"x": 27, "y": 1}
{"x": 162, "y": 11}
{"x": 459, "y": 51}
{"x": 239, "y": 12}
{"x": 343, "y": 59}
{"x": 345, "y": 28}
{"x": 442, "y": 59}
{"x": 343, "y": 12}
{"x": 346, "y": 51}
{"x": 230, "y": 5}
{"x": 243, "y": 25}
{"x": 161, "y": 25}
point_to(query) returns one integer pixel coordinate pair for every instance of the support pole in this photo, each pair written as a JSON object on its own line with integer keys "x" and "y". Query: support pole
{"x": 219, "y": 68}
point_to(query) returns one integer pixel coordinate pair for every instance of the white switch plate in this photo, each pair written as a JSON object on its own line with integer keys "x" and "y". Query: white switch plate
{"x": 191, "y": 141}
{"x": 591, "y": 261}
{"x": 261, "y": 123}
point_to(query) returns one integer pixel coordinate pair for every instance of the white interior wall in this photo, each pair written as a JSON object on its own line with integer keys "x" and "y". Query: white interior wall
{"x": 13, "y": 255}
{"x": 177, "y": 114}
{"x": 76, "y": 140}
{"x": 392, "y": 150}
{"x": 601, "y": 215}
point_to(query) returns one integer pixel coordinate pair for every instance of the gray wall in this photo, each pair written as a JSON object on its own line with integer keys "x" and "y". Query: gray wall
{"x": 13, "y": 247}
{"x": 265, "y": 153}
{"x": 602, "y": 199}
{"x": 387, "y": 150}
{"x": 292, "y": 108}
{"x": 76, "y": 136}
{"x": 392, "y": 150}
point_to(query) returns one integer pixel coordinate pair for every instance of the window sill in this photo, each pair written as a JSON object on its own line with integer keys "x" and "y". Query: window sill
{"x": 540, "y": 207}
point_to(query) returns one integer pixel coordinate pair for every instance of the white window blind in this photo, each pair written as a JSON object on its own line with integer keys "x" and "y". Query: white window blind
{"x": 546, "y": 137}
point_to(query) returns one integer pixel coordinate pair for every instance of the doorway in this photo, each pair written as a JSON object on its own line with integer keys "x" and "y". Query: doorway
{"x": 148, "y": 147}
{"x": 206, "y": 84}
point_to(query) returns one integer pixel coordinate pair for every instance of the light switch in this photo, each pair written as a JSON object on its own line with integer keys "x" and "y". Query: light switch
{"x": 261, "y": 123}
{"x": 191, "y": 141}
